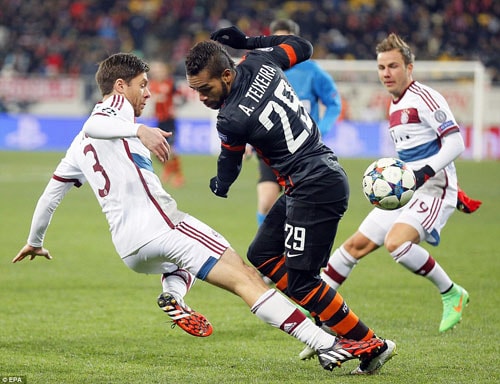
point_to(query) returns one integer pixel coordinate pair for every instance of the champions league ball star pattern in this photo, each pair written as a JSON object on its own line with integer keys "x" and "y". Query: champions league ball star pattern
{"x": 388, "y": 183}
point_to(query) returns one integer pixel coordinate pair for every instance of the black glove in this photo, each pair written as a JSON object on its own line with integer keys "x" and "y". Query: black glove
{"x": 218, "y": 187}
{"x": 423, "y": 174}
{"x": 230, "y": 36}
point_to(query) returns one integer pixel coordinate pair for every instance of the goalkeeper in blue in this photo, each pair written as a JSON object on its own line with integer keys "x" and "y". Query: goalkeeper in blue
{"x": 315, "y": 88}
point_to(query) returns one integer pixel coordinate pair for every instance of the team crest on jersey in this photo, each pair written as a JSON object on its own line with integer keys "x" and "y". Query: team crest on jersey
{"x": 405, "y": 116}
{"x": 222, "y": 137}
{"x": 440, "y": 116}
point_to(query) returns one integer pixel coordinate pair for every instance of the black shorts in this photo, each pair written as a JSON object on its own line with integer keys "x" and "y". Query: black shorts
{"x": 265, "y": 171}
{"x": 168, "y": 126}
{"x": 303, "y": 224}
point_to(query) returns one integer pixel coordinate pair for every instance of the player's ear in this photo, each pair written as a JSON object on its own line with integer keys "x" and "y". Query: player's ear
{"x": 409, "y": 69}
{"x": 119, "y": 86}
{"x": 227, "y": 76}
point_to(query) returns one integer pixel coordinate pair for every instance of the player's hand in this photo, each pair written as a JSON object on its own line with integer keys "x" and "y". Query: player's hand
{"x": 32, "y": 252}
{"x": 154, "y": 139}
{"x": 423, "y": 174}
{"x": 465, "y": 204}
{"x": 230, "y": 36}
{"x": 249, "y": 151}
{"x": 218, "y": 187}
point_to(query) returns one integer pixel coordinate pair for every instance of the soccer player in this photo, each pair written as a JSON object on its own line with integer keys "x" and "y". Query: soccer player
{"x": 427, "y": 137}
{"x": 313, "y": 86}
{"x": 164, "y": 93}
{"x": 148, "y": 231}
{"x": 257, "y": 106}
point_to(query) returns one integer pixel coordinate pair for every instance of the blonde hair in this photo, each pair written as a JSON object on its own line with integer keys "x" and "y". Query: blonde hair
{"x": 392, "y": 42}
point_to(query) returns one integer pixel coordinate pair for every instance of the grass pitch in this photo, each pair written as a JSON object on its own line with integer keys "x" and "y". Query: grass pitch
{"x": 84, "y": 317}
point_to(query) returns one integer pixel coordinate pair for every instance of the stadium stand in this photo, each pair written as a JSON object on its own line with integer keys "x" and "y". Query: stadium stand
{"x": 62, "y": 37}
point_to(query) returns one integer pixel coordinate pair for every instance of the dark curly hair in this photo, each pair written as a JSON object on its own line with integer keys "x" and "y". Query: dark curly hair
{"x": 208, "y": 55}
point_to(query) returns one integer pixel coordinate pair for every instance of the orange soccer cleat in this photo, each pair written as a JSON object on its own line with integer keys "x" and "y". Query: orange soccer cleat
{"x": 346, "y": 349}
{"x": 190, "y": 321}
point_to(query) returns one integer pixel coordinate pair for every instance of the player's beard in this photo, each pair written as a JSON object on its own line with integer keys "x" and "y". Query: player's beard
{"x": 223, "y": 96}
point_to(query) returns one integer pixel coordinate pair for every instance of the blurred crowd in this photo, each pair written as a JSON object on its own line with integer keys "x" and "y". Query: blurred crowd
{"x": 64, "y": 37}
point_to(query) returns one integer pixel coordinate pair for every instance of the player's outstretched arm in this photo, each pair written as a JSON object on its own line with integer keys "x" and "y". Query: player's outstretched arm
{"x": 234, "y": 38}
{"x": 154, "y": 139}
{"x": 32, "y": 252}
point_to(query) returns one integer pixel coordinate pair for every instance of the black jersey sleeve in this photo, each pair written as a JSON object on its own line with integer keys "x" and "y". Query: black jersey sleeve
{"x": 296, "y": 48}
{"x": 230, "y": 159}
{"x": 229, "y": 165}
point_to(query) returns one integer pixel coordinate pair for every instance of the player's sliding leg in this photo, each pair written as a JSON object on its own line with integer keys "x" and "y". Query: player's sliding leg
{"x": 175, "y": 286}
{"x": 177, "y": 283}
{"x": 270, "y": 306}
{"x": 190, "y": 321}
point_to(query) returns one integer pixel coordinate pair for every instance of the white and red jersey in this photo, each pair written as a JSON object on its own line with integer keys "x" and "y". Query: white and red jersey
{"x": 120, "y": 173}
{"x": 418, "y": 120}
{"x": 424, "y": 132}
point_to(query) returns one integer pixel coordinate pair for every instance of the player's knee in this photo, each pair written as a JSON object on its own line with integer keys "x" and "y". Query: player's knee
{"x": 253, "y": 255}
{"x": 392, "y": 243}
{"x": 358, "y": 245}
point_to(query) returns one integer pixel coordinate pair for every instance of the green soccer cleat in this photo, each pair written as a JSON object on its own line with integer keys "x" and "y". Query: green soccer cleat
{"x": 454, "y": 303}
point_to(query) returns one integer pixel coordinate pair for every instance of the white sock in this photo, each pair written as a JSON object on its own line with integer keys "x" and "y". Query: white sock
{"x": 419, "y": 261}
{"x": 276, "y": 310}
{"x": 339, "y": 267}
{"x": 178, "y": 284}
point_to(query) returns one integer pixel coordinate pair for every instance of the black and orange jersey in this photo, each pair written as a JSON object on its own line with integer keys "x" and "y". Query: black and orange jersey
{"x": 263, "y": 110}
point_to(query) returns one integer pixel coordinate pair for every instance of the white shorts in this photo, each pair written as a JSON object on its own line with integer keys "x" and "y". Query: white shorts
{"x": 191, "y": 245}
{"x": 427, "y": 211}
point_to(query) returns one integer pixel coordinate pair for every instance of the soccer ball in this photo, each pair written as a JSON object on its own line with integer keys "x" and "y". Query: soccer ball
{"x": 388, "y": 183}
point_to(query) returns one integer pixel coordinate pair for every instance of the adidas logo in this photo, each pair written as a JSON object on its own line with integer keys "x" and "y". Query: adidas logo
{"x": 287, "y": 327}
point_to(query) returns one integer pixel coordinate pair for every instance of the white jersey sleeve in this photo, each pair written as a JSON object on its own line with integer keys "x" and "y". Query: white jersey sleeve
{"x": 65, "y": 176}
